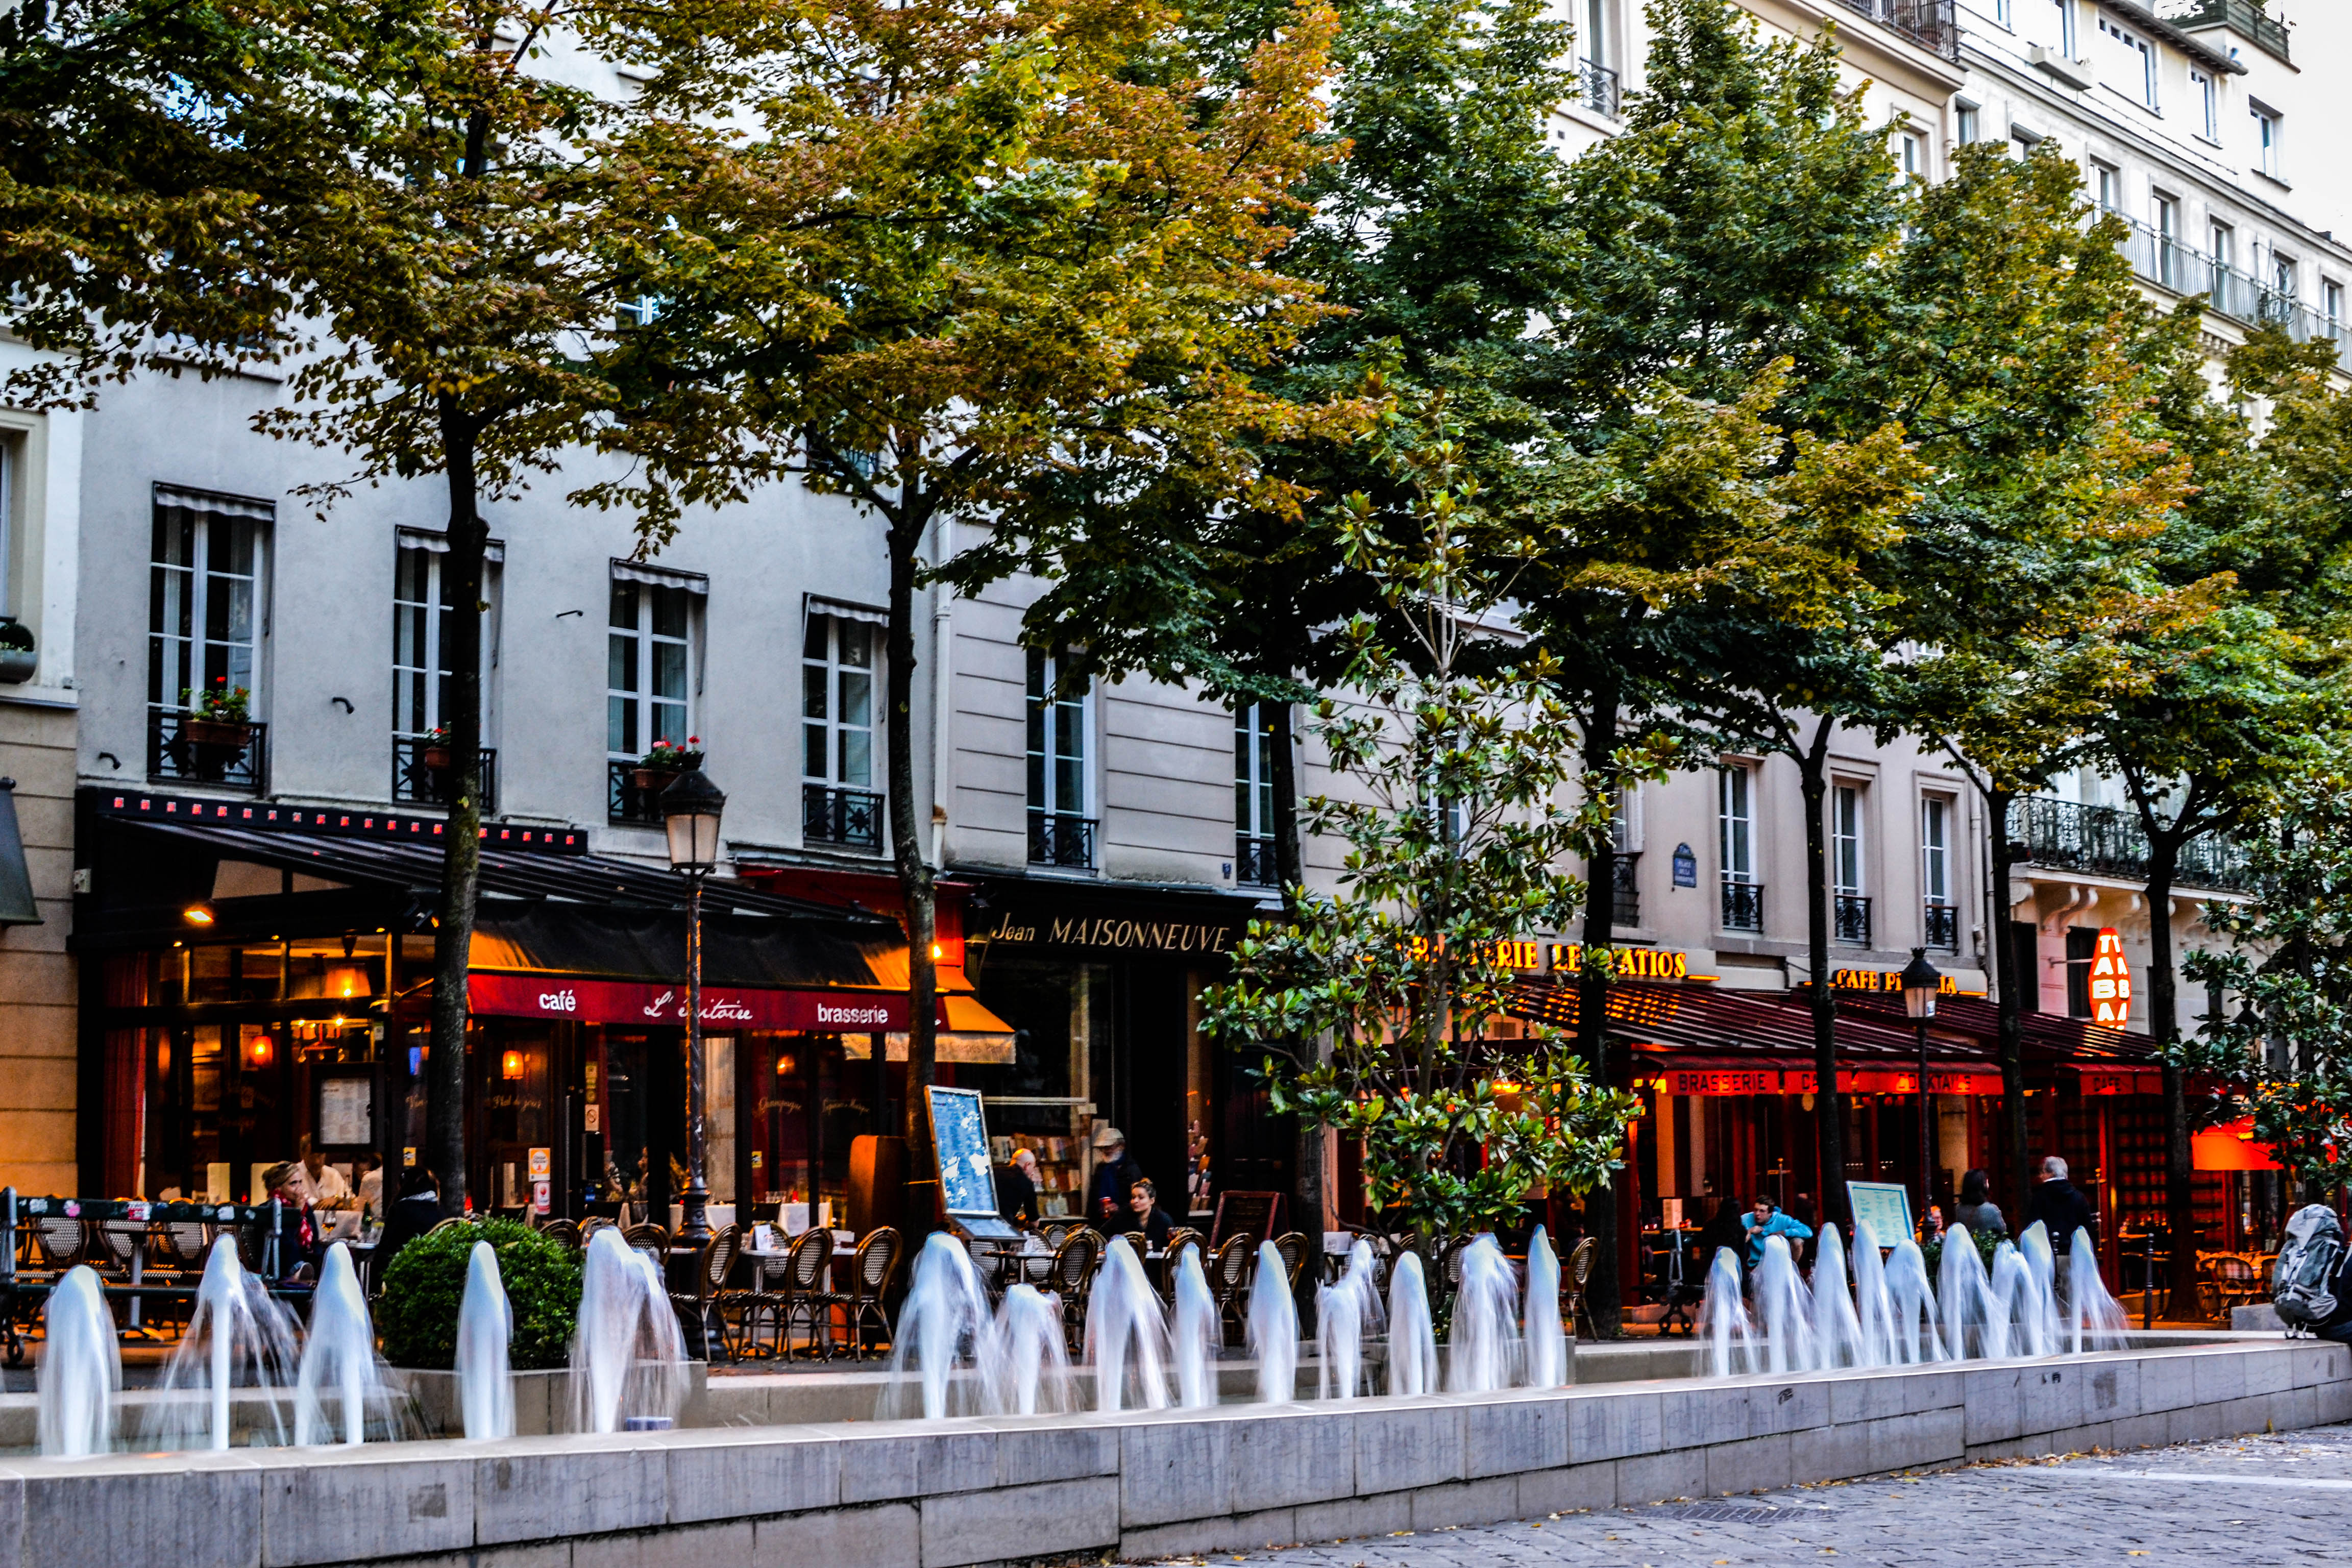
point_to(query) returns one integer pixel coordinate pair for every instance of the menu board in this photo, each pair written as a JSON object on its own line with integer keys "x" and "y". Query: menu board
{"x": 1885, "y": 1207}
{"x": 959, "y": 1142}
{"x": 1244, "y": 1213}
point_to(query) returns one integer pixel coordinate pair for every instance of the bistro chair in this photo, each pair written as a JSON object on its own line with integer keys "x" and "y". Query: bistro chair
{"x": 593, "y": 1223}
{"x": 566, "y": 1231}
{"x": 872, "y": 1271}
{"x": 1072, "y": 1278}
{"x": 1055, "y": 1232}
{"x": 2229, "y": 1281}
{"x": 1293, "y": 1246}
{"x": 808, "y": 1281}
{"x": 1180, "y": 1240}
{"x": 1579, "y": 1270}
{"x": 1229, "y": 1280}
{"x": 703, "y": 1305}
{"x": 648, "y": 1238}
{"x": 58, "y": 1243}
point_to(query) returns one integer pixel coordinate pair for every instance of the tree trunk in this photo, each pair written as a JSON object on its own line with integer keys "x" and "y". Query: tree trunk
{"x": 1306, "y": 1170}
{"x": 1829, "y": 1105}
{"x": 2163, "y": 1015}
{"x": 905, "y": 538}
{"x": 2009, "y": 1010}
{"x": 1604, "y": 1291}
{"x": 461, "y": 854}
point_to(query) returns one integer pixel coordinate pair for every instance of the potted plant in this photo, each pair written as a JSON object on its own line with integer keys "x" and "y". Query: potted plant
{"x": 657, "y": 767}
{"x": 18, "y": 657}
{"x": 437, "y": 750}
{"x": 216, "y": 715}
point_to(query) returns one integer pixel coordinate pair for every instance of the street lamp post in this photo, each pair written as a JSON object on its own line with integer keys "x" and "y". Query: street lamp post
{"x": 1921, "y": 981}
{"x": 690, "y": 810}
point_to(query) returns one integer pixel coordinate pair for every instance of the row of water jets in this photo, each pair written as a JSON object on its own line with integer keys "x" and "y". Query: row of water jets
{"x": 627, "y": 1364}
{"x": 955, "y": 1355}
{"x": 1893, "y": 1317}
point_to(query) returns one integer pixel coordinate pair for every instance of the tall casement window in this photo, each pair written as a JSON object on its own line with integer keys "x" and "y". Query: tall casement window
{"x": 839, "y": 657}
{"x": 2205, "y": 104}
{"x": 648, "y": 676}
{"x": 1254, "y": 842}
{"x": 2171, "y": 268}
{"x": 423, "y": 608}
{"x": 1850, "y": 908}
{"x": 206, "y": 572}
{"x": 1743, "y": 896}
{"x": 1061, "y": 833}
{"x": 2269, "y": 142}
{"x": 1939, "y": 914}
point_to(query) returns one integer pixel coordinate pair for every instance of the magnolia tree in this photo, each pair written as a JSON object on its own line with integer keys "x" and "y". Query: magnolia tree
{"x": 1456, "y": 756}
{"x": 2285, "y": 1057}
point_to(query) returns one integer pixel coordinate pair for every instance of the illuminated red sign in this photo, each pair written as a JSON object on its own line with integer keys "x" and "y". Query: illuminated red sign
{"x": 2110, "y": 981}
{"x": 583, "y": 1001}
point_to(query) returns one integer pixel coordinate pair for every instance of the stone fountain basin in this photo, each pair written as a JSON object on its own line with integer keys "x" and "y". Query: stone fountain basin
{"x": 952, "y": 1493}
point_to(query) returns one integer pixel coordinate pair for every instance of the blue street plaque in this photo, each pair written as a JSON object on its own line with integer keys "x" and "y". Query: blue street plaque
{"x": 1685, "y": 867}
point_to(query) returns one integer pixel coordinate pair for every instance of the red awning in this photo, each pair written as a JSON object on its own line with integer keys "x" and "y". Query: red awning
{"x": 581, "y": 1001}
{"x": 2231, "y": 1147}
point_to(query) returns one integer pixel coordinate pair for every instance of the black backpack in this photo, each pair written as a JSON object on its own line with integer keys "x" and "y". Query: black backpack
{"x": 2303, "y": 1285}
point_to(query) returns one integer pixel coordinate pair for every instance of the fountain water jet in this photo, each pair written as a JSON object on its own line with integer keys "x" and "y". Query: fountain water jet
{"x": 1347, "y": 1311}
{"x": 1874, "y": 1307}
{"x": 80, "y": 1369}
{"x": 485, "y": 1331}
{"x": 1484, "y": 1345}
{"x": 1965, "y": 1293}
{"x": 1546, "y": 1337}
{"x": 1024, "y": 1364}
{"x": 1193, "y": 1336}
{"x": 2092, "y": 1314}
{"x": 1413, "y": 1338}
{"x": 237, "y": 1337}
{"x": 945, "y": 1317}
{"x": 1273, "y": 1336}
{"x": 1785, "y": 1308}
{"x": 628, "y": 1356}
{"x": 1916, "y": 1340}
{"x": 2008, "y": 1295}
{"x": 1837, "y": 1333}
{"x": 2038, "y": 1308}
{"x": 1127, "y": 1338}
{"x": 1723, "y": 1317}
{"x": 339, "y": 1353}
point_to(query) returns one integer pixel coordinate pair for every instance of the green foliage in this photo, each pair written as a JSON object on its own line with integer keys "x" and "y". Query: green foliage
{"x": 1455, "y": 756}
{"x": 425, "y": 1284}
{"x": 2284, "y": 1058}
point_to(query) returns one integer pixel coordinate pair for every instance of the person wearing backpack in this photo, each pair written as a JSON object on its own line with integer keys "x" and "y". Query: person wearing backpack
{"x": 2311, "y": 1284}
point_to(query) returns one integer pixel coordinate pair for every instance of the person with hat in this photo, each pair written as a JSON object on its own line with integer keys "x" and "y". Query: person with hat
{"x": 1116, "y": 1173}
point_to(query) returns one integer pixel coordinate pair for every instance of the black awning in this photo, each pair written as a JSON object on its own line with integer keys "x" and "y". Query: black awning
{"x": 17, "y": 905}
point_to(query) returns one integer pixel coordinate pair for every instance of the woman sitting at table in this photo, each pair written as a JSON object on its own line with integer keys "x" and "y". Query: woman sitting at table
{"x": 1142, "y": 1201}
{"x": 297, "y": 1232}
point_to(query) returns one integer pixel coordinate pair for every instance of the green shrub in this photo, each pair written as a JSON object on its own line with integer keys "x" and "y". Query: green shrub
{"x": 418, "y": 1315}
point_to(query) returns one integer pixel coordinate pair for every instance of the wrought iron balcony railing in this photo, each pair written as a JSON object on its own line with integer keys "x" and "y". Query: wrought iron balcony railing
{"x": 2251, "y": 18}
{"x": 1942, "y": 926}
{"x": 1849, "y": 918}
{"x": 832, "y": 814}
{"x": 1255, "y": 863}
{"x": 624, "y": 802}
{"x": 2167, "y": 262}
{"x": 2107, "y": 841}
{"x": 1597, "y": 89}
{"x": 1926, "y": 23}
{"x": 1625, "y": 908}
{"x": 416, "y": 782}
{"x": 1743, "y": 905}
{"x": 202, "y": 750}
{"x": 1057, "y": 839}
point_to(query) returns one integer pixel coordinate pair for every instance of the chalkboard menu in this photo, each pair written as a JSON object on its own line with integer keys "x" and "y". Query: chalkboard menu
{"x": 1244, "y": 1213}
{"x": 960, "y": 1140}
{"x": 1885, "y": 1207}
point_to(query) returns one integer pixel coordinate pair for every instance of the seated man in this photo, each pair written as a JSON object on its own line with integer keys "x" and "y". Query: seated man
{"x": 1763, "y": 1221}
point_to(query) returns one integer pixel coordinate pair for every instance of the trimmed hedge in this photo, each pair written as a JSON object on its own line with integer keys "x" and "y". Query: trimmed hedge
{"x": 418, "y": 1315}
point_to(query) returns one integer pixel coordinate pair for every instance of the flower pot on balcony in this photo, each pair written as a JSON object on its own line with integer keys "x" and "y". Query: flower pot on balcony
{"x": 653, "y": 781}
{"x": 229, "y": 734}
{"x": 437, "y": 759}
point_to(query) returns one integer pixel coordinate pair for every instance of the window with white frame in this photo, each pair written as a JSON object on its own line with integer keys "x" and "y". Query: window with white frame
{"x": 2331, "y": 305}
{"x": 2286, "y": 277}
{"x": 2268, "y": 136}
{"x": 421, "y": 610}
{"x": 1845, "y": 837}
{"x": 1060, "y": 831}
{"x": 1968, "y": 124}
{"x": 2107, "y": 187}
{"x": 1592, "y": 37}
{"x": 839, "y": 656}
{"x": 1938, "y": 913}
{"x": 205, "y": 575}
{"x": 1911, "y": 155}
{"x": 1737, "y": 811}
{"x": 2206, "y": 98}
{"x": 2130, "y": 65}
{"x": 1253, "y": 801}
{"x": 648, "y": 681}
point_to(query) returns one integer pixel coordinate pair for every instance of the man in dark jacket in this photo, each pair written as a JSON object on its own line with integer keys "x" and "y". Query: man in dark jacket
{"x": 2061, "y": 1209}
{"x": 418, "y": 1211}
{"x": 1116, "y": 1173}
{"x": 1016, "y": 1190}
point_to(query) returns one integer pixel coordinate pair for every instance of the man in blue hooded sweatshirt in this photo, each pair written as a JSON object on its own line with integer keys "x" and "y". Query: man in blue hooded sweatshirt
{"x": 1765, "y": 1220}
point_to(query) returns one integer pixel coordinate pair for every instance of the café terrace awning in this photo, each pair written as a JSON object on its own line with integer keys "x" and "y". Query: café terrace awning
{"x": 1761, "y": 1043}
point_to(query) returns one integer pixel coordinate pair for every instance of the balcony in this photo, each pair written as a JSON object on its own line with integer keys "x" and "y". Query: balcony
{"x": 1941, "y": 926}
{"x": 1255, "y": 863}
{"x": 1926, "y": 23}
{"x": 1849, "y": 918}
{"x": 1625, "y": 908}
{"x": 229, "y": 756}
{"x": 2104, "y": 841}
{"x": 1057, "y": 839}
{"x": 2248, "y": 18}
{"x": 2165, "y": 262}
{"x": 625, "y": 804}
{"x": 849, "y": 817}
{"x": 416, "y": 784}
{"x": 1597, "y": 89}
{"x": 1743, "y": 905}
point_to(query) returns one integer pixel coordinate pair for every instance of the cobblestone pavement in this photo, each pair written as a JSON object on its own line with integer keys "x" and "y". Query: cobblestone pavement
{"x": 2241, "y": 1503}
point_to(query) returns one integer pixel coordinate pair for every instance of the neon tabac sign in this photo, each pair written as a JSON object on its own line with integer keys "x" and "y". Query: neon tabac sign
{"x": 2110, "y": 981}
